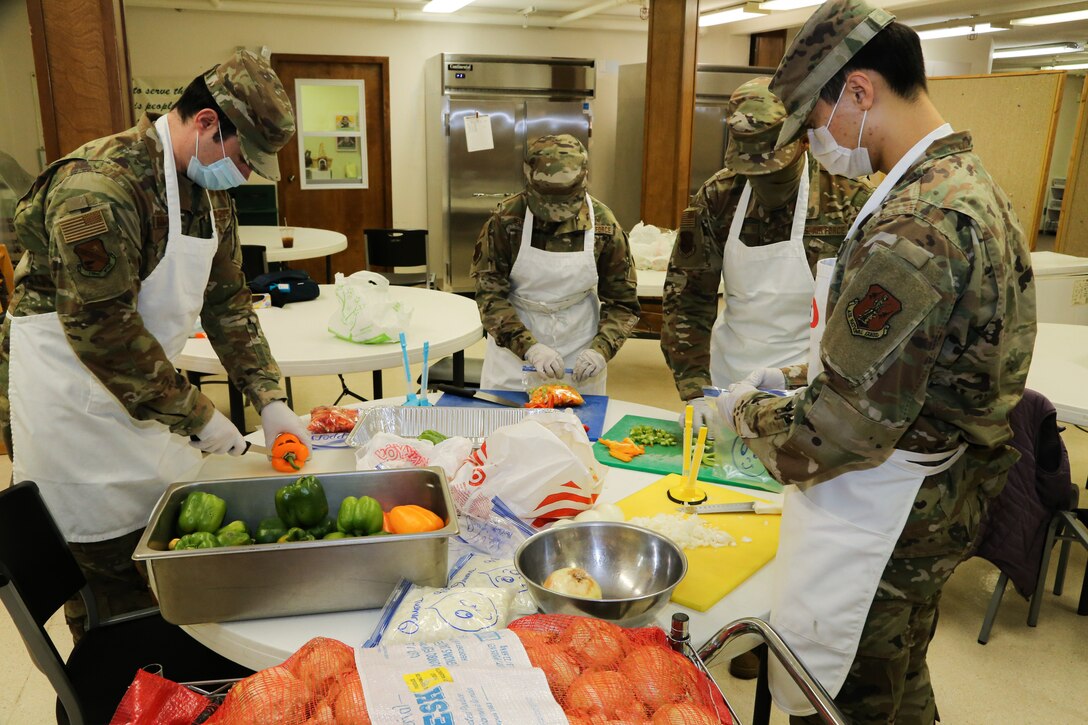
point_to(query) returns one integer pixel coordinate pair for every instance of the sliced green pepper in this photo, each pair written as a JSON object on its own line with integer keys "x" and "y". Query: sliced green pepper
{"x": 321, "y": 529}
{"x": 432, "y": 435}
{"x": 270, "y": 530}
{"x": 295, "y": 534}
{"x": 201, "y": 511}
{"x": 197, "y": 540}
{"x": 359, "y": 516}
{"x": 302, "y": 503}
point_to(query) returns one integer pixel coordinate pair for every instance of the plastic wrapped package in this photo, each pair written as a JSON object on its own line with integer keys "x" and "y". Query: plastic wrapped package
{"x": 425, "y": 614}
{"x": 475, "y": 569}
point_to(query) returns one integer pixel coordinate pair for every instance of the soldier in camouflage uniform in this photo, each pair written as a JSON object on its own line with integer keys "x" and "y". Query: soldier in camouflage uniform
{"x": 930, "y": 331}
{"x": 555, "y": 281}
{"x": 774, "y": 284}
{"x": 128, "y": 239}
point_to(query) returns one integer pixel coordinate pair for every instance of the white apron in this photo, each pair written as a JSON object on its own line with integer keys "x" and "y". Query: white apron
{"x": 836, "y": 538}
{"x": 768, "y": 291}
{"x": 101, "y": 471}
{"x": 554, "y": 294}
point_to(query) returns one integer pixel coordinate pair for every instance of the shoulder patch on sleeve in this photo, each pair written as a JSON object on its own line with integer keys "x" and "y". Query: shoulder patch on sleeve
{"x": 608, "y": 229}
{"x": 85, "y": 225}
{"x": 868, "y": 315}
{"x": 94, "y": 259}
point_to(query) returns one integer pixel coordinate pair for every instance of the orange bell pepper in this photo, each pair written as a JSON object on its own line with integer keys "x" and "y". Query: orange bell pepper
{"x": 412, "y": 519}
{"x": 623, "y": 450}
{"x": 289, "y": 453}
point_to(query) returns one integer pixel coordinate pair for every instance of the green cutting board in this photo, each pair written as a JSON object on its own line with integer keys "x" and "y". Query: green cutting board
{"x": 669, "y": 459}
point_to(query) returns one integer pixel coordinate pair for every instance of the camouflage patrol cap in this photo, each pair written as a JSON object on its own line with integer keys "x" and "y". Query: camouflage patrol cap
{"x": 755, "y": 116}
{"x": 248, "y": 91}
{"x": 827, "y": 41}
{"x": 555, "y": 172}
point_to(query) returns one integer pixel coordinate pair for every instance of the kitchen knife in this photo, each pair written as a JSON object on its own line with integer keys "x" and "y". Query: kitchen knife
{"x": 479, "y": 395}
{"x": 744, "y": 507}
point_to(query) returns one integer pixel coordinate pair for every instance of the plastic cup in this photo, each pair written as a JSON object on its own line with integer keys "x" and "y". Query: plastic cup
{"x": 287, "y": 236}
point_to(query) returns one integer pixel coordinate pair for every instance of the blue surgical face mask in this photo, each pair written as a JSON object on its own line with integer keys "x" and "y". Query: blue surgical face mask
{"x": 217, "y": 176}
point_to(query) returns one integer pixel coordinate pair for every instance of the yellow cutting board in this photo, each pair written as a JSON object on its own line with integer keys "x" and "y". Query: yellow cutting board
{"x": 713, "y": 572}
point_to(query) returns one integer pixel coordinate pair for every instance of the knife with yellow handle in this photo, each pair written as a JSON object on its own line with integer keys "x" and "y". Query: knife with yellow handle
{"x": 744, "y": 507}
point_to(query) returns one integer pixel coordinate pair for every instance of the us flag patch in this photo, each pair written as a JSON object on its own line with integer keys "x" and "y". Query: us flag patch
{"x": 78, "y": 227}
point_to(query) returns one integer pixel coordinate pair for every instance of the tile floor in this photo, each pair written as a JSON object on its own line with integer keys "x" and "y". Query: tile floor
{"x": 1024, "y": 675}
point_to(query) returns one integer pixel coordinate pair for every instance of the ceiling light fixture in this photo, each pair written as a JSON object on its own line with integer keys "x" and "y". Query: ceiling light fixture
{"x": 1055, "y": 18}
{"x": 958, "y": 31}
{"x": 1055, "y": 49}
{"x": 788, "y": 4}
{"x": 445, "y": 6}
{"x": 746, "y": 11}
{"x": 1067, "y": 66}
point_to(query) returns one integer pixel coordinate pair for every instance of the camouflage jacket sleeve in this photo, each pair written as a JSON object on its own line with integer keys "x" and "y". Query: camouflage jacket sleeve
{"x": 690, "y": 299}
{"x": 491, "y": 264}
{"x": 97, "y": 283}
{"x": 886, "y": 329}
{"x": 231, "y": 323}
{"x": 617, "y": 286}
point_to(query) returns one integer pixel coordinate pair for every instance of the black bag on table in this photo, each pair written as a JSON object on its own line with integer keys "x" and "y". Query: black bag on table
{"x": 289, "y": 285}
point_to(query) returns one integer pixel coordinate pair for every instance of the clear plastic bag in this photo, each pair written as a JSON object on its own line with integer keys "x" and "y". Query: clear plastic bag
{"x": 366, "y": 312}
{"x": 425, "y": 614}
{"x": 732, "y": 459}
{"x": 475, "y": 569}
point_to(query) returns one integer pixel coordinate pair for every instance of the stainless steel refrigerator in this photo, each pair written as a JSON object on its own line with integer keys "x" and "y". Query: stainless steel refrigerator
{"x": 709, "y": 133}
{"x": 520, "y": 100}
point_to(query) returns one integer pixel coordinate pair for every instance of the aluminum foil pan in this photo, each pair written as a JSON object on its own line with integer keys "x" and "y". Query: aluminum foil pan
{"x": 472, "y": 423}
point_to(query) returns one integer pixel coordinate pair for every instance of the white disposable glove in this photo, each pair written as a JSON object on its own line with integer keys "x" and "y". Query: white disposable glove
{"x": 546, "y": 360}
{"x": 589, "y": 364}
{"x": 701, "y": 414}
{"x": 219, "y": 436}
{"x": 766, "y": 379}
{"x": 277, "y": 418}
{"x": 727, "y": 402}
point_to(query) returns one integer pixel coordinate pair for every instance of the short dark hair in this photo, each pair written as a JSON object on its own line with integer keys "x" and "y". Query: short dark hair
{"x": 195, "y": 98}
{"x": 896, "y": 54}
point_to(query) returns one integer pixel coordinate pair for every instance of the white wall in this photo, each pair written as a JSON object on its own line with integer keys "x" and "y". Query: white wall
{"x": 958, "y": 56}
{"x": 184, "y": 43}
{"x": 20, "y": 133}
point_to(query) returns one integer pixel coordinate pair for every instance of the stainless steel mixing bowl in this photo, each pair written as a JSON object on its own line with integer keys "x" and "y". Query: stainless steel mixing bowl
{"x": 636, "y": 568}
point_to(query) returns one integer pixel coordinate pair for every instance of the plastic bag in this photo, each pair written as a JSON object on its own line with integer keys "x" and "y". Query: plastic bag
{"x": 154, "y": 700}
{"x": 385, "y": 451}
{"x": 492, "y": 528}
{"x": 366, "y": 312}
{"x": 480, "y": 570}
{"x": 651, "y": 246}
{"x": 426, "y": 614}
{"x": 554, "y": 395}
{"x": 543, "y": 469}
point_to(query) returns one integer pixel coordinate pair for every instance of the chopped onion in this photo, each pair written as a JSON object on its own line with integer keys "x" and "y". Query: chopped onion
{"x": 689, "y": 532}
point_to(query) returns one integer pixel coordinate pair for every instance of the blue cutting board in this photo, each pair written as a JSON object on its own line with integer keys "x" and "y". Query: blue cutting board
{"x": 591, "y": 414}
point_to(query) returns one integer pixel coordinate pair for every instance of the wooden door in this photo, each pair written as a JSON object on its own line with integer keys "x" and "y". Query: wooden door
{"x": 348, "y": 211}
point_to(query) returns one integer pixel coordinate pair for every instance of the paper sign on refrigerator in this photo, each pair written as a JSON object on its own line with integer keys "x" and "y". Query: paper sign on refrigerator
{"x": 478, "y": 133}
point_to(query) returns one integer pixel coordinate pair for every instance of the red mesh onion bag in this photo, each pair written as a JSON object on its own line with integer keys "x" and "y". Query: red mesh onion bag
{"x": 154, "y": 700}
{"x": 601, "y": 673}
{"x": 318, "y": 684}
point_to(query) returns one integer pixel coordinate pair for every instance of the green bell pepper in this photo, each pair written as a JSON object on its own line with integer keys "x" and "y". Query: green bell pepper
{"x": 321, "y": 529}
{"x": 197, "y": 540}
{"x": 270, "y": 530}
{"x": 359, "y": 516}
{"x": 302, "y": 503}
{"x": 336, "y": 535}
{"x": 432, "y": 435}
{"x": 234, "y": 534}
{"x": 295, "y": 534}
{"x": 201, "y": 512}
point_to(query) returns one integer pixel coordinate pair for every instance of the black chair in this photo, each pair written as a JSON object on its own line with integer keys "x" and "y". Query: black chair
{"x": 403, "y": 251}
{"x": 254, "y": 261}
{"x": 38, "y": 574}
{"x": 256, "y": 204}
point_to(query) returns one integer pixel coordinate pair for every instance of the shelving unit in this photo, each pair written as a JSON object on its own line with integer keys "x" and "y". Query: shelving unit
{"x": 1053, "y": 209}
